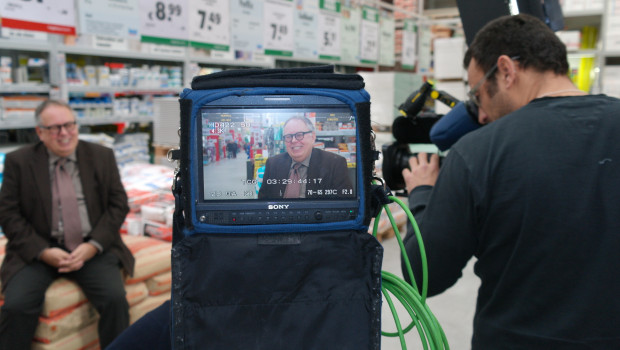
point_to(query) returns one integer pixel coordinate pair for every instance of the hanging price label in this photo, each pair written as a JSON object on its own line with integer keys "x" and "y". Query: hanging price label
{"x": 164, "y": 22}
{"x": 246, "y": 25}
{"x": 278, "y": 28}
{"x": 408, "y": 56}
{"x": 56, "y": 16}
{"x": 329, "y": 42}
{"x": 209, "y": 24}
{"x": 305, "y": 34}
{"x": 107, "y": 18}
{"x": 369, "y": 36}
{"x": 350, "y": 34}
{"x": 386, "y": 41}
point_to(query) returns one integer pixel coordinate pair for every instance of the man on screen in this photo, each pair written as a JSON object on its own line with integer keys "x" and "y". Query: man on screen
{"x": 304, "y": 171}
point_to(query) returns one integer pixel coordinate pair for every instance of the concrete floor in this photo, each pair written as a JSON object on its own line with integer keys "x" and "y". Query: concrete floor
{"x": 454, "y": 309}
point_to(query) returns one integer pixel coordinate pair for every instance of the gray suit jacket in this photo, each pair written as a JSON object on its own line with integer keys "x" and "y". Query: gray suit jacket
{"x": 26, "y": 204}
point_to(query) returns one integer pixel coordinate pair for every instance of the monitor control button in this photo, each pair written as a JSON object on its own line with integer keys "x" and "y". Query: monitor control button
{"x": 318, "y": 215}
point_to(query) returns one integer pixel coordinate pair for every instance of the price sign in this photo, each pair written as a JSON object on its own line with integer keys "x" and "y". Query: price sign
{"x": 209, "y": 24}
{"x": 106, "y": 17}
{"x": 57, "y": 16}
{"x": 350, "y": 34}
{"x": 330, "y": 5}
{"x": 408, "y": 55}
{"x": 278, "y": 28}
{"x": 246, "y": 26}
{"x": 369, "y": 36}
{"x": 386, "y": 42}
{"x": 164, "y": 22}
{"x": 305, "y": 37}
{"x": 425, "y": 38}
{"x": 329, "y": 42}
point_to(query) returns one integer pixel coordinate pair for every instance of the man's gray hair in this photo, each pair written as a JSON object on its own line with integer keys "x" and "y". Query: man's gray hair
{"x": 48, "y": 103}
{"x": 303, "y": 119}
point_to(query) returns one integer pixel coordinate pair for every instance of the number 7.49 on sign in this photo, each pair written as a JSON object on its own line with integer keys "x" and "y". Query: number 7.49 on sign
{"x": 209, "y": 24}
{"x": 278, "y": 28}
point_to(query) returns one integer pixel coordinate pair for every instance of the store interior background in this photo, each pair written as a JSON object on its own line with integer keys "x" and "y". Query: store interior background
{"x": 125, "y": 92}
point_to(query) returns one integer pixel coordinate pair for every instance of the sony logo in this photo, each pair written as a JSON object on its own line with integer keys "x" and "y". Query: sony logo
{"x": 277, "y": 206}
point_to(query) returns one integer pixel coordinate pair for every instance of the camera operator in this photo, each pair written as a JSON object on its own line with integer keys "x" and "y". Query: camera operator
{"x": 534, "y": 196}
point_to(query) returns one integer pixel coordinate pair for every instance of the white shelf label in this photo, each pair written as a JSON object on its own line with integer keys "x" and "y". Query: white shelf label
{"x": 329, "y": 41}
{"x": 386, "y": 42}
{"x": 164, "y": 22}
{"x": 369, "y": 38}
{"x": 246, "y": 27}
{"x": 350, "y": 34}
{"x": 305, "y": 35}
{"x": 408, "y": 54}
{"x": 57, "y": 16}
{"x": 209, "y": 24}
{"x": 109, "y": 18}
{"x": 278, "y": 27}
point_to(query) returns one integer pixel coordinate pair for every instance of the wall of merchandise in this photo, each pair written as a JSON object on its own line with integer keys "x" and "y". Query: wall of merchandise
{"x": 110, "y": 58}
{"x": 330, "y": 30}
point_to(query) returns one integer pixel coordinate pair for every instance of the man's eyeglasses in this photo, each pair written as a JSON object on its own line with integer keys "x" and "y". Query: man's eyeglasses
{"x": 473, "y": 93}
{"x": 55, "y": 129}
{"x": 298, "y": 136}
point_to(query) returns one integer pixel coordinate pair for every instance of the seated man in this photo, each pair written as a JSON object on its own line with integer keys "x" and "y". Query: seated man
{"x": 62, "y": 204}
{"x": 304, "y": 171}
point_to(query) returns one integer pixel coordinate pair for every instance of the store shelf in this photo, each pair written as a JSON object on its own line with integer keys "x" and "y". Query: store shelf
{"x": 579, "y": 19}
{"x": 25, "y": 45}
{"x": 75, "y": 89}
{"x": 336, "y": 133}
{"x": 136, "y": 55}
{"x": 114, "y": 120}
{"x": 25, "y": 88}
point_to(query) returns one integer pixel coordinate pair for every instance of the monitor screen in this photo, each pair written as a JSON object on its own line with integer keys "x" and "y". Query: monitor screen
{"x": 292, "y": 162}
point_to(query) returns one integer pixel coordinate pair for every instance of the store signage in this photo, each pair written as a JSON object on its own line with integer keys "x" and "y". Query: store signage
{"x": 52, "y": 16}
{"x": 329, "y": 40}
{"x": 164, "y": 22}
{"x": 408, "y": 53}
{"x": 305, "y": 25}
{"x": 369, "y": 36}
{"x": 110, "y": 18}
{"x": 386, "y": 41}
{"x": 209, "y": 24}
{"x": 350, "y": 34}
{"x": 278, "y": 27}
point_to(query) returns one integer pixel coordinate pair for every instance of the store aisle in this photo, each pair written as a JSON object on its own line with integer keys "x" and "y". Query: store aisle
{"x": 454, "y": 309}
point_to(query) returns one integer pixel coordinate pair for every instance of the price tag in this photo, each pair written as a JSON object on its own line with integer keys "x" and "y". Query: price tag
{"x": 164, "y": 22}
{"x": 278, "y": 28}
{"x": 408, "y": 55}
{"x": 209, "y": 24}
{"x": 350, "y": 34}
{"x": 386, "y": 42}
{"x": 305, "y": 38}
{"x": 369, "y": 36}
{"x": 57, "y": 16}
{"x": 329, "y": 41}
{"x": 246, "y": 26}
{"x": 107, "y": 18}
{"x": 425, "y": 38}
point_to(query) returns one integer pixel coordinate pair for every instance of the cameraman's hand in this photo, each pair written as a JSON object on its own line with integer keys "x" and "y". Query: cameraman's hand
{"x": 422, "y": 171}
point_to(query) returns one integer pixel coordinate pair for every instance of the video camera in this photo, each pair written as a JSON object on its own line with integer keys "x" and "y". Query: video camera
{"x": 416, "y": 126}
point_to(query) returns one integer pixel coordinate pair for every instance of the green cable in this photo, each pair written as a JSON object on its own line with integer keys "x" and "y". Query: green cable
{"x": 431, "y": 334}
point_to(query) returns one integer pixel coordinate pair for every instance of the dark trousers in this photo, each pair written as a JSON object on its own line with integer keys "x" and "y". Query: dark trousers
{"x": 100, "y": 279}
{"x": 150, "y": 332}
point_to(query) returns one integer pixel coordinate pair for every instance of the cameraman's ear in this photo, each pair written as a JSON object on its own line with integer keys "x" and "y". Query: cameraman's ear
{"x": 508, "y": 70}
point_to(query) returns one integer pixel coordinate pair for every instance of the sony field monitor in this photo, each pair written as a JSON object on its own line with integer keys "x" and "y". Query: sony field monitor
{"x": 277, "y": 159}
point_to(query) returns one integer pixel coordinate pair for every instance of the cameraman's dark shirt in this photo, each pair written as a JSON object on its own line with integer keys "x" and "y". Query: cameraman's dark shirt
{"x": 535, "y": 197}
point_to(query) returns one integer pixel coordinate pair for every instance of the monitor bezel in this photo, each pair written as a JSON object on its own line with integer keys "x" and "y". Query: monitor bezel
{"x": 286, "y": 102}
